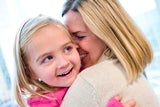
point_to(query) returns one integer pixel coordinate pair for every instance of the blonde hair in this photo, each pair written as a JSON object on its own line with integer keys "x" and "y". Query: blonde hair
{"x": 111, "y": 23}
{"x": 24, "y": 83}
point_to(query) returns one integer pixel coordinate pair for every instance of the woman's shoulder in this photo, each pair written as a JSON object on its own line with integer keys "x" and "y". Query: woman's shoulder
{"x": 104, "y": 68}
{"x": 109, "y": 73}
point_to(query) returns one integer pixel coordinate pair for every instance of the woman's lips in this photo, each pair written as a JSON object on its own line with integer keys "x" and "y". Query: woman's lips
{"x": 83, "y": 55}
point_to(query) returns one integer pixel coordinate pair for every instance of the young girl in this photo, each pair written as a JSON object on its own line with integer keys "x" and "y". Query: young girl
{"x": 47, "y": 62}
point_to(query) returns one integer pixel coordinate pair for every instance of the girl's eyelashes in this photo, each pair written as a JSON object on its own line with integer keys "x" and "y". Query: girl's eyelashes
{"x": 47, "y": 58}
{"x": 68, "y": 49}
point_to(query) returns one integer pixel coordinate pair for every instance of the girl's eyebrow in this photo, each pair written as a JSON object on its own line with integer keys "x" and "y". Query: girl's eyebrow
{"x": 45, "y": 54}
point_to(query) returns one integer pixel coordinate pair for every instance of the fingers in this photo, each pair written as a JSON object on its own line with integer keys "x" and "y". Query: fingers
{"x": 118, "y": 97}
{"x": 130, "y": 103}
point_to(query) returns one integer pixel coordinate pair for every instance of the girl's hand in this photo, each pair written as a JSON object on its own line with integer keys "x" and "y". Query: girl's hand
{"x": 128, "y": 103}
{"x": 116, "y": 102}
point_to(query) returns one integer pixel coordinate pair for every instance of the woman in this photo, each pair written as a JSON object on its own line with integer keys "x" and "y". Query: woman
{"x": 107, "y": 36}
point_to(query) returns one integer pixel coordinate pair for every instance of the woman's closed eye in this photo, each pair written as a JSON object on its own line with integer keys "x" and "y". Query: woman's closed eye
{"x": 77, "y": 37}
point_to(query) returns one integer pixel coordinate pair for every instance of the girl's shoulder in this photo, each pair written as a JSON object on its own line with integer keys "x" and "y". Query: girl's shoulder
{"x": 51, "y": 99}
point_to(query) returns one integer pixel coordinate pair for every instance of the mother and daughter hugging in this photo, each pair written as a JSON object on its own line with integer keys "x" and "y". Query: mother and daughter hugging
{"x": 96, "y": 60}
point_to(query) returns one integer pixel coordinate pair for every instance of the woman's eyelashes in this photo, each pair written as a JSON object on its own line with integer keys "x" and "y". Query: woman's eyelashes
{"x": 77, "y": 36}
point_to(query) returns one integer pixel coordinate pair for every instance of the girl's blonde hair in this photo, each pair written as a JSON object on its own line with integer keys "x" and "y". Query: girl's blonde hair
{"x": 24, "y": 83}
{"x": 111, "y": 23}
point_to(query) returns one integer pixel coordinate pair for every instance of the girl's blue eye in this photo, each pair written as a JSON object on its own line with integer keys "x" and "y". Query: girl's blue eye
{"x": 46, "y": 59}
{"x": 49, "y": 57}
{"x": 68, "y": 49}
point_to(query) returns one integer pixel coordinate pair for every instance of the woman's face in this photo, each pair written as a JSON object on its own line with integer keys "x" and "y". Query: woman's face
{"x": 91, "y": 47}
{"x": 53, "y": 57}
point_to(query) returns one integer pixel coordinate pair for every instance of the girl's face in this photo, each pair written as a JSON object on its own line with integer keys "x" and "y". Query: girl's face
{"x": 90, "y": 46}
{"x": 53, "y": 57}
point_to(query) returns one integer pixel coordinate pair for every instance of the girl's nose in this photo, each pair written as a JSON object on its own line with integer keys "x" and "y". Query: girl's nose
{"x": 62, "y": 62}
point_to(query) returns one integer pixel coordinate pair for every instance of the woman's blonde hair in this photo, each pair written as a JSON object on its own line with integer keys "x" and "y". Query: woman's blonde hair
{"x": 24, "y": 83}
{"x": 111, "y": 23}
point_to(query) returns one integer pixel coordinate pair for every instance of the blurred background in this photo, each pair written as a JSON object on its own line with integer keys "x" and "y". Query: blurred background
{"x": 146, "y": 14}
